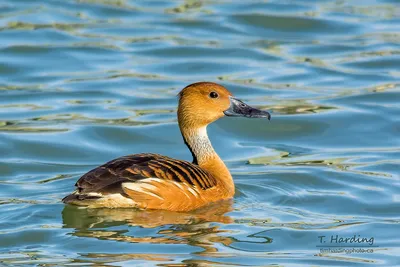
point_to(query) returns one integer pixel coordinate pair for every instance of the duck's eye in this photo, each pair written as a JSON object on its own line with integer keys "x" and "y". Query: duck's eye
{"x": 213, "y": 95}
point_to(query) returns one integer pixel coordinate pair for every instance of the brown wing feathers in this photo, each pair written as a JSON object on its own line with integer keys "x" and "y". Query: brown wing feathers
{"x": 141, "y": 166}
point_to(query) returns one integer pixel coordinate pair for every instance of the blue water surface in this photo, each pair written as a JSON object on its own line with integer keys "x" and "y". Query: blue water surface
{"x": 86, "y": 81}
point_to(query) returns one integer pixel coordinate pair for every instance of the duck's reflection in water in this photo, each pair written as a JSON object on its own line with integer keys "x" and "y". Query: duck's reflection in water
{"x": 197, "y": 228}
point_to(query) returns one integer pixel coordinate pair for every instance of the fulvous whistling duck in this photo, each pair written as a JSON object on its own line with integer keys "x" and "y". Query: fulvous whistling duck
{"x": 152, "y": 181}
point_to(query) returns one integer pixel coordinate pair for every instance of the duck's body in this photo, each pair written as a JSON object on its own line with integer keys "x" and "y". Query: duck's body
{"x": 149, "y": 181}
{"x": 152, "y": 181}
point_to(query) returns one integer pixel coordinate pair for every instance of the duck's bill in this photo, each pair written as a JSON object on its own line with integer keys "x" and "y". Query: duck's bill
{"x": 240, "y": 109}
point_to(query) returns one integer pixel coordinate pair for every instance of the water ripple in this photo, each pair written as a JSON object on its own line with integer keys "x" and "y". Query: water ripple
{"x": 82, "y": 82}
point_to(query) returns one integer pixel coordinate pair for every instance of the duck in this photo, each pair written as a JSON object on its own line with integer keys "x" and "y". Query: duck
{"x": 157, "y": 182}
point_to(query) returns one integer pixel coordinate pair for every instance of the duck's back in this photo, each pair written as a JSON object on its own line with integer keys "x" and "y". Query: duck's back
{"x": 143, "y": 181}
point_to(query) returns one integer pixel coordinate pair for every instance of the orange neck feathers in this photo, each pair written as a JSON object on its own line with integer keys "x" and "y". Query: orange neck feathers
{"x": 204, "y": 155}
{"x": 193, "y": 125}
{"x": 199, "y": 105}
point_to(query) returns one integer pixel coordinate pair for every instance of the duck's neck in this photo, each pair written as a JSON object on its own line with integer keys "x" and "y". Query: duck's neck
{"x": 204, "y": 155}
{"x": 199, "y": 145}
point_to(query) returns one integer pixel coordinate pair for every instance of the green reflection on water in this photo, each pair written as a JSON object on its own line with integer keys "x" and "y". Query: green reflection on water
{"x": 83, "y": 82}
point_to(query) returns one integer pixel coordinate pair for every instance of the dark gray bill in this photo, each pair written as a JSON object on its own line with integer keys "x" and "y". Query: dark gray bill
{"x": 240, "y": 109}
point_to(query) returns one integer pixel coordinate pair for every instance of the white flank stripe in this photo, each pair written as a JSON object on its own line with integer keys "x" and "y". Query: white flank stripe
{"x": 142, "y": 188}
{"x": 191, "y": 190}
{"x": 94, "y": 194}
{"x": 179, "y": 185}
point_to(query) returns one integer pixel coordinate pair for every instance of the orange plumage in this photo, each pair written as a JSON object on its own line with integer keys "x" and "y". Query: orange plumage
{"x": 152, "y": 181}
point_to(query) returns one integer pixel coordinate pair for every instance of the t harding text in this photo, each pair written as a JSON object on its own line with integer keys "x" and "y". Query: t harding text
{"x": 348, "y": 240}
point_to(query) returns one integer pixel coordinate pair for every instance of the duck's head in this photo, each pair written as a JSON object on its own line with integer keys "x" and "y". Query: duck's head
{"x": 202, "y": 103}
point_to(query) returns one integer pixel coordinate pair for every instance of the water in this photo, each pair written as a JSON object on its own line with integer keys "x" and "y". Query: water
{"x": 85, "y": 81}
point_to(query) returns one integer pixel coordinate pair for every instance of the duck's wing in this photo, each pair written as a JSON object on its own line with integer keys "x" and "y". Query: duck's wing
{"x": 125, "y": 174}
